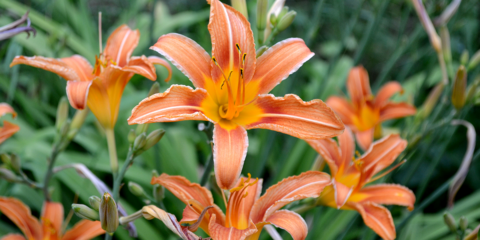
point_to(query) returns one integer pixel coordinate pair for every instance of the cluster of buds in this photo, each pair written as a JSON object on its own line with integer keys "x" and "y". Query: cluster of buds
{"x": 103, "y": 209}
{"x": 10, "y": 167}
{"x": 461, "y": 230}
{"x": 158, "y": 192}
{"x": 270, "y": 23}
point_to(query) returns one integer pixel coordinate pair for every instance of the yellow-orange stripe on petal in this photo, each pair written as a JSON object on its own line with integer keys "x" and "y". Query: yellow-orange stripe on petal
{"x": 342, "y": 108}
{"x": 229, "y": 152}
{"x": 178, "y": 103}
{"x": 7, "y": 109}
{"x": 291, "y": 115}
{"x": 187, "y": 56}
{"x": 364, "y": 138}
{"x": 291, "y": 222}
{"x": 219, "y": 232}
{"x": 358, "y": 85}
{"x": 121, "y": 44}
{"x": 227, "y": 28}
{"x": 386, "y": 92}
{"x": 7, "y": 130}
{"x": 20, "y": 214}
{"x": 81, "y": 66}
{"x": 141, "y": 66}
{"x": 13, "y": 237}
{"x": 278, "y": 62}
{"x": 305, "y": 185}
{"x": 396, "y": 110}
{"x": 50, "y": 64}
{"x": 387, "y": 194}
{"x": 52, "y": 218}
{"x": 77, "y": 93}
{"x": 376, "y": 217}
{"x": 160, "y": 61}
{"x": 84, "y": 229}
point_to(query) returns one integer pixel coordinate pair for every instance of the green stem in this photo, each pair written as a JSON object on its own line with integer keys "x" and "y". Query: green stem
{"x": 49, "y": 174}
{"x": 121, "y": 174}
{"x": 112, "y": 151}
{"x": 208, "y": 170}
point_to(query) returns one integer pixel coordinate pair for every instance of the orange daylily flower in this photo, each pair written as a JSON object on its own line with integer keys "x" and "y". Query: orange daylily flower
{"x": 364, "y": 113}
{"x": 247, "y": 213}
{"x": 350, "y": 175}
{"x": 231, "y": 90}
{"x": 8, "y": 128}
{"x": 50, "y": 226}
{"x": 101, "y": 87}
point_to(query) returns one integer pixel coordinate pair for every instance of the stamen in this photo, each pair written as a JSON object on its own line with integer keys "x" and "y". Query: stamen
{"x": 238, "y": 47}
{"x": 387, "y": 172}
{"x": 357, "y": 153}
{"x": 243, "y": 58}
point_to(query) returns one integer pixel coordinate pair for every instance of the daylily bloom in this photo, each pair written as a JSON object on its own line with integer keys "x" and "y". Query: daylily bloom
{"x": 350, "y": 175}
{"x": 364, "y": 113}
{"x": 50, "y": 226}
{"x": 231, "y": 90}
{"x": 8, "y": 128}
{"x": 246, "y": 212}
{"x": 101, "y": 87}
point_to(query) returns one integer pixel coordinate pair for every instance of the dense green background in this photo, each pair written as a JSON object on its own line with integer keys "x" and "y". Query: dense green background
{"x": 385, "y": 36}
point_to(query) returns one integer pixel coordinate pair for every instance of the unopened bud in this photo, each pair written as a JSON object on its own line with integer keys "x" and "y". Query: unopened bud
{"x": 282, "y": 13}
{"x": 82, "y": 211}
{"x": 262, "y": 9}
{"x": 8, "y": 175}
{"x": 261, "y": 50}
{"x": 464, "y": 58}
{"x": 158, "y": 192}
{"x": 431, "y": 101}
{"x": 241, "y": 6}
{"x": 474, "y": 61}
{"x": 445, "y": 37}
{"x": 137, "y": 190}
{"x": 94, "y": 202}
{"x": 155, "y": 173}
{"x": 108, "y": 213}
{"x": 286, "y": 20}
{"x": 131, "y": 136}
{"x": 472, "y": 89}
{"x": 62, "y": 113}
{"x": 15, "y": 163}
{"x": 141, "y": 128}
{"x": 78, "y": 119}
{"x": 153, "y": 138}
{"x": 273, "y": 19}
{"x": 154, "y": 89}
{"x": 450, "y": 221}
{"x": 140, "y": 142}
{"x": 6, "y": 159}
{"x": 459, "y": 88}
{"x": 463, "y": 223}
{"x": 65, "y": 128}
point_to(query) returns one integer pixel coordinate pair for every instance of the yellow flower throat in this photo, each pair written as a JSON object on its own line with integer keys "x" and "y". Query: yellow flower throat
{"x": 237, "y": 216}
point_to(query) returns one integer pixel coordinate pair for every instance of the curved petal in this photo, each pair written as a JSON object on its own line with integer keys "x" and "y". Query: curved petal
{"x": 342, "y": 108}
{"x": 219, "y": 232}
{"x": 388, "y": 194}
{"x": 99, "y": 103}
{"x": 358, "y": 85}
{"x": 13, "y": 237}
{"x": 364, "y": 138}
{"x": 291, "y": 115}
{"x": 7, "y": 130}
{"x": 115, "y": 79}
{"x": 240, "y": 202}
{"x": 5, "y": 109}
{"x": 227, "y": 28}
{"x": 342, "y": 193}
{"x": 278, "y": 62}
{"x": 52, "y": 218}
{"x": 347, "y": 146}
{"x": 291, "y": 222}
{"x": 187, "y": 56}
{"x": 376, "y": 217}
{"x": 229, "y": 152}
{"x": 329, "y": 150}
{"x": 149, "y": 212}
{"x": 160, "y": 61}
{"x": 84, "y": 230}
{"x": 50, "y": 64}
{"x": 141, "y": 66}
{"x": 305, "y": 185}
{"x": 386, "y": 92}
{"x": 20, "y": 214}
{"x": 77, "y": 93}
{"x": 81, "y": 66}
{"x": 396, "y": 110}
{"x": 121, "y": 44}
{"x": 178, "y": 103}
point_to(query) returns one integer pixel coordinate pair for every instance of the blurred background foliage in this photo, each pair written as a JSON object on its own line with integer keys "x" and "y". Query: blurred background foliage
{"x": 385, "y": 36}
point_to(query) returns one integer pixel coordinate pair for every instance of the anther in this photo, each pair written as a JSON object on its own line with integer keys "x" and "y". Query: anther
{"x": 243, "y": 58}
{"x": 238, "y": 47}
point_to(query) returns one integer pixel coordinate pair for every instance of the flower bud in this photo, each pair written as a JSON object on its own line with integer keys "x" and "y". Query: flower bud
{"x": 77, "y": 123}
{"x": 241, "y": 6}
{"x": 286, "y": 20}
{"x": 8, "y": 175}
{"x": 474, "y": 60}
{"x": 65, "y": 128}
{"x": 155, "y": 173}
{"x": 472, "y": 89}
{"x": 262, "y": 9}
{"x": 131, "y": 136}
{"x": 82, "y": 211}
{"x": 464, "y": 58}
{"x": 140, "y": 142}
{"x": 94, "y": 202}
{"x": 463, "y": 223}
{"x": 158, "y": 192}
{"x": 62, "y": 113}
{"x": 261, "y": 50}
{"x": 154, "y": 89}
{"x": 108, "y": 213}
{"x": 445, "y": 38}
{"x": 431, "y": 101}
{"x": 6, "y": 159}
{"x": 273, "y": 19}
{"x": 153, "y": 138}
{"x": 136, "y": 190}
{"x": 141, "y": 128}
{"x": 15, "y": 163}
{"x": 450, "y": 221}
{"x": 459, "y": 88}
{"x": 282, "y": 13}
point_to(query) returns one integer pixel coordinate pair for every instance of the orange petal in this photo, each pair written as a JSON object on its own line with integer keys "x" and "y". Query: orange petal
{"x": 329, "y": 150}
{"x": 115, "y": 79}
{"x": 291, "y": 222}
{"x": 219, "y": 232}
{"x": 52, "y": 218}
{"x": 305, "y": 185}
{"x": 388, "y": 194}
{"x": 364, "y": 138}
{"x": 160, "y": 61}
{"x": 5, "y": 109}
{"x": 342, "y": 193}
{"x": 141, "y": 66}
{"x": 229, "y": 151}
{"x": 178, "y": 103}
{"x": 396, "y": 110}
{"x": 386, "y": 92}
{"x": 187, "y": 56}
{"x": 347, "y": 146}
{"x": 342, "y": 108}
{"x": 291, "y": 115}
{"x": 121, "y": 44}
{"x": 7, "y": 130}
{"x": 358, "y": 85}
{"x": 77, "y": 93}
{"x": 227, "y": 28}
{"x": 20, "y": 214}
{"x": 84, "y": 230}
{"x": 239, "y": 205}
{"x": 13, "y": 237}
{"x": 376, "y": 217}
{"x": 278, "y": 62}
{"x": 50, "y": 64}
{"x": 99, "y": 103}
{"x": 81, "y": 66}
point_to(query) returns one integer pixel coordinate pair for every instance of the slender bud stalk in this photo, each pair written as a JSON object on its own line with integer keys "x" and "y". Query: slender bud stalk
{"x": 62, "y": 113}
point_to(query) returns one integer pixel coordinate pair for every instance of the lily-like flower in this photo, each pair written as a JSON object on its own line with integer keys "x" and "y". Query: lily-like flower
{"x": 350, "y": 175}
{"x": 246, "y": 213}
{"x": 50, "y": 226}
{"x": 101, "y": 87}
{"x": 231, "y": 91}
{"x": 364, "y": 113}
{"x": 8, "y": 128}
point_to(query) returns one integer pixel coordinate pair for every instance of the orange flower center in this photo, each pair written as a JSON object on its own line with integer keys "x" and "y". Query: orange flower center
{"x": 237, "y": 215}
{"x": 100, "y": 64}
{"x": 366, "y": 118}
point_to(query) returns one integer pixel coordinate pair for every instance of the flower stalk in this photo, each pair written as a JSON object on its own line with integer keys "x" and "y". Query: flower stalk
{"x": 112, "y": 150}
